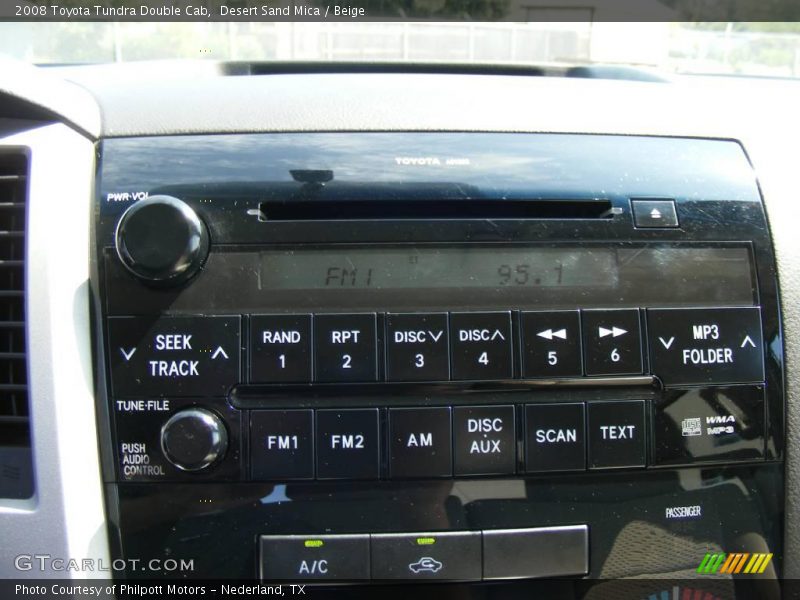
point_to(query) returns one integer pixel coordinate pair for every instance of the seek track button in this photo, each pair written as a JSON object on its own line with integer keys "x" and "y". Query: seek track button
{"x": 706, "y": 345}
{"x": 173, "y": 356}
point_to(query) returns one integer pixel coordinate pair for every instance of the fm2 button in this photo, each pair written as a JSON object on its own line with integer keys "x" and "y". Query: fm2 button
{"x": 551, "y": 344}
{"x": 706, "y": 345}
{"x": 417, "y": 347}
{"x": 173, "y": 356}
{"x": 616, "y": 434}
{"x": 280, "y": 348}
{"x": 481, "y": 345}
{"x": 484, "y": 440}
{"x": 612, "y": 342}
{"x": 345, "y": 348}
{"x": 347, "y": 444}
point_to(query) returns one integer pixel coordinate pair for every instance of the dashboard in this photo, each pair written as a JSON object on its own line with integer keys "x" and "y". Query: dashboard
{"x": 365, "y": 328}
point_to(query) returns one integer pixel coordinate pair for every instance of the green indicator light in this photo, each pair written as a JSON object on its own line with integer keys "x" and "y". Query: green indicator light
{"x": 426, "y": 541}
{"x": 313, "y": 543}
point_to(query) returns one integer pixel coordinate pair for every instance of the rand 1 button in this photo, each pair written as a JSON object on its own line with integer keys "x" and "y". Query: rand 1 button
{"x": 555, "y": 437}
{"x": 616, "y": 434}
{"x": 345, "y": 347}
{"x": 348, "y": 445}
{"x": 420, "y": 442}
{"x": 484, "y": 440}
{"x": 281, "y": 444}
{"x": 173, "y": 356}
{"x": 551, "y": 344}
{"x": 612, "y": 342}
{"x": 417, "y": 347}
{"x": 451, "y": 556}
{"x": 481, "y": 345}
{"x": 309, "y": 557}
{"x": 706, "y": 345}
{"x": 709, "y": 425}
{"x": 280, "y": 348}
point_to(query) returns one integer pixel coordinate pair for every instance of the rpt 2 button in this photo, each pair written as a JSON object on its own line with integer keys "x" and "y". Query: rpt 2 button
{"x": 345, "y": 347}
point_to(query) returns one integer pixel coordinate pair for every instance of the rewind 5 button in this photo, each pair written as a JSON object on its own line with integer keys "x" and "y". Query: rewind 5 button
{"x": 612, "y": 342}
{"x": 550, "y": 345}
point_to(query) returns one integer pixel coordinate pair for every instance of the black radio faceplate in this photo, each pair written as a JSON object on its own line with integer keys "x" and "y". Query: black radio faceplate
{"x": 495, "y": 343}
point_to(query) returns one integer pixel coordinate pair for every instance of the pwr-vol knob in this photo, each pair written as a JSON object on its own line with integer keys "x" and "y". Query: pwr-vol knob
{"x": 194, "y": 439}
{"x": 162, "y": 240}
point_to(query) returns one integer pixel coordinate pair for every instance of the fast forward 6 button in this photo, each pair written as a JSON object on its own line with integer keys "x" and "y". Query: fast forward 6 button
{"x": 612, "y": 342}
{"x": 481, "y": 345}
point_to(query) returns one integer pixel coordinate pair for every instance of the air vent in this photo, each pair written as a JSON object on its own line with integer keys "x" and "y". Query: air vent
{"x": 15, "y": 439}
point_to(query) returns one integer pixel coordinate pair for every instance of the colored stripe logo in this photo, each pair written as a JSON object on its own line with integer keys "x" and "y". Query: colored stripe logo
{"x": 734, "y": 563}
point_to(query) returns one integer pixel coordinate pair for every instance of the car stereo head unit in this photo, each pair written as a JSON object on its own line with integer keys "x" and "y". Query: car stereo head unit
{"x": 460, "y": 357}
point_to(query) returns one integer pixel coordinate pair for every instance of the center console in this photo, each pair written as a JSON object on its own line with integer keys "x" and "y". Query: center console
{"x": 412, "y": 357}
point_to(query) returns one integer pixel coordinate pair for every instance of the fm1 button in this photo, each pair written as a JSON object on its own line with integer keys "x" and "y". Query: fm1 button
{"x": 612, "y": 342}
{"x": 280, "y": 348}
{"x": 281, "y": 444}
{"x": 173, "y": 356}
{"x": 616, "y": 434}
{"x": 417, "y": 347}
{"x": 451, "y": 556}
{"x": 706, "y": 345}
{"x": 481, "y": 345}
{"x": 348, "y": 444}
{"x": 346, "y": 348}
{"x": 555, "y": 437}
{"x": 484, "y": 440}
{"x": 306, "y": 557}
{"x": 551, "y": 344}
{"x": 421, "y": 444}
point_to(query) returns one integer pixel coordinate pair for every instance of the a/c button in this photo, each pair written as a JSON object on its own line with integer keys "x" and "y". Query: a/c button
{"x": 302, "y": 557}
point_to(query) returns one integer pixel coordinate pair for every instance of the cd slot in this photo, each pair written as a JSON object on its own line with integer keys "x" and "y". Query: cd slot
{"x": 340, "y": 210}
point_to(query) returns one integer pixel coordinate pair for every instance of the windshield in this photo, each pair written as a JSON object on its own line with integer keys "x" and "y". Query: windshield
{"x": 752, "y": 49}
